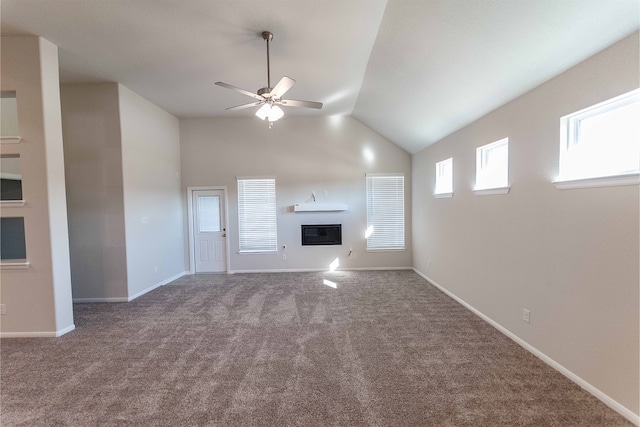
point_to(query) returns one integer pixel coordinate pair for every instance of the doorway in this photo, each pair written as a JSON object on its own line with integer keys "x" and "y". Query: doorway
{"x": 208, "y": 230}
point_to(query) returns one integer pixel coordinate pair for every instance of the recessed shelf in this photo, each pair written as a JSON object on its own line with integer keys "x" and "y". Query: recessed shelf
{"x": 321, "y": 207}
{"x": 14, "y": 265}
{"x": 12, "y": 203}
{"x": 10, "y": 139}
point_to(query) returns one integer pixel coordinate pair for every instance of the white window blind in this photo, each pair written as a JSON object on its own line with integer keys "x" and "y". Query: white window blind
{"x": 385, "y": 211}
{"x": 257, "y": 224}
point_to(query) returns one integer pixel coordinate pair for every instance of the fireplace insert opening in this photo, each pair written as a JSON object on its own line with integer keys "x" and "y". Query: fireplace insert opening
{"x": 321, "y": 234}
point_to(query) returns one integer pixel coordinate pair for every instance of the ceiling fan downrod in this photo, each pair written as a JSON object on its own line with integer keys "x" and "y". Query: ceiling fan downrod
{"x": 267, "y": 36}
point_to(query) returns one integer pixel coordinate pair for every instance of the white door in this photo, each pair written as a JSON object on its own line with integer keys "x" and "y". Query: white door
{"x": 210, "y": 235}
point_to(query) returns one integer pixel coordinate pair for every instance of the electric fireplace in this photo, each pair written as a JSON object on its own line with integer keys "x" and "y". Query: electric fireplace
{"x": 321, "y": 234}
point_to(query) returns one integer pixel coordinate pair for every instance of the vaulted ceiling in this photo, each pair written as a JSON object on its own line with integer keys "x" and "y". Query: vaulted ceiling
{"x": 413, "y": 70}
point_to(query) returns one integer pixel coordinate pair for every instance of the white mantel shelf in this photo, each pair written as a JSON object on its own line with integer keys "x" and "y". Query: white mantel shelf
{"x": 321, "y": 207}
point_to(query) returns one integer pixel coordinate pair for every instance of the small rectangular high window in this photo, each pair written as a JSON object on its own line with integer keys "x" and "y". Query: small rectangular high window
{"x": 602, "y": 140}
{"x": 444, "y": 178}
{"x": 492, "y": 165}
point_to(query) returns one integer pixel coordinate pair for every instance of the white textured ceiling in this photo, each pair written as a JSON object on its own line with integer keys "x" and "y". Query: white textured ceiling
{"x": 413, "y": 70}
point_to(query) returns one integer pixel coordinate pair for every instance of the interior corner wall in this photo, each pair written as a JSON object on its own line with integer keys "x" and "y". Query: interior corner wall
{"x": 326, "y": 155}
{"x": 93, "y": 160}
{"x": 153, "y": 209}
{"x": 571, "y": 257}
{"x": 38, "y": 299}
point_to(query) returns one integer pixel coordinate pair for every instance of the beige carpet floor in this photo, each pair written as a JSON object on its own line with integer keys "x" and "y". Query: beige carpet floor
{"x": 381, "y": 348}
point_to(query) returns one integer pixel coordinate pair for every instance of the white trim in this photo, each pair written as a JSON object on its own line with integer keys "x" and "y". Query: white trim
{"x": 384, "y": 174}
{"x": 601, "y": 181}
{"x": 490, "y": 191}
{"x": 65, "y": 330}
{"x": 14, "y": 265}
{"x": 386, "y": 249}
{"x": 100, "y": 300}
{"x": 12, "y": 203}
{"x": 313, "y": 270}
{"x": 157, "y": 285}
{"x": 607, "y": 400}
{"x": 442, "y": 195}
{"x": 192, "y": 255}
{"x": 10, "y": 139}
{"x": 41, "y": 334}
{"x": 132, "y": 297}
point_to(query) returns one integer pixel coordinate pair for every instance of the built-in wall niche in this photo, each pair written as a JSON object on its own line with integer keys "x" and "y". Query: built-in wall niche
{"x": 12, "y": 245}
{"x": 9, "y": 129}
{"x": 10, "y": 180}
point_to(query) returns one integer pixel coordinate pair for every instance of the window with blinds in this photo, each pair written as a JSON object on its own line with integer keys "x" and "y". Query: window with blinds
{"x": 385, "y": 212}
{"x": 257, "y": 224}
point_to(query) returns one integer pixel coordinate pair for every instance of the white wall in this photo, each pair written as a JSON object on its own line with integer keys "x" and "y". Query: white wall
{"x": 38, "y": 300}
{"x": 152, "y": 193}
{"x": 305, "y": 155}
{"x": 569, "y": 256}
{"x": 93, "y": 160}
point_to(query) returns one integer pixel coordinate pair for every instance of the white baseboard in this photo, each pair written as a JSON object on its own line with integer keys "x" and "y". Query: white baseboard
{"x": 157, "y": 285}
{"x": 40, "y": 334}
{"x": 312, "y": 270}
{"x": 606, "y": 399}
{"x": 132, "y": 297}
{"x": 65, "y": 330}
{"x": 91, "y": 300}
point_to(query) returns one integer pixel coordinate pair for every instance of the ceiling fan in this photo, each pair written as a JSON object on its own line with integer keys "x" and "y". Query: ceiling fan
{"x": 270, "y": 97}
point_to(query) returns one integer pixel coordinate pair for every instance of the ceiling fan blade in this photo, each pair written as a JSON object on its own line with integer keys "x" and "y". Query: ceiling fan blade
{"x": 240, "y": 107}
{"x": 305, "y": 104}
{"x": 282, "y": 87}
{"x": 242, "y": 91}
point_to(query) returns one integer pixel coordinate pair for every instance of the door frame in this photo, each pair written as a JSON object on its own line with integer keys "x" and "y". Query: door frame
{"x": 192, "y": 242}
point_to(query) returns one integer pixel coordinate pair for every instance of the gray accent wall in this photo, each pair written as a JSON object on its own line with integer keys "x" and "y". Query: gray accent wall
{"x": 325, "y": 155}
{"x": 123, "y": 179}
{"x": 93, "y": 159}
{"x": 571, "y": 257}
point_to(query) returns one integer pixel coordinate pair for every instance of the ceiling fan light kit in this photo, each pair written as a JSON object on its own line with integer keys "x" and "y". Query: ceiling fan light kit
{"x": 268, "y": 98}
{"x": 270, "y": 112}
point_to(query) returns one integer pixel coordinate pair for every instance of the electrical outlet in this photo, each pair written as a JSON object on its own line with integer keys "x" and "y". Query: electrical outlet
{"x": 429, "y": 264}
{"x": 3, "y": 309}
{"x": 155, "y": 268}
{"x": 284, "y": 257}
{"x": 525, "y": 315}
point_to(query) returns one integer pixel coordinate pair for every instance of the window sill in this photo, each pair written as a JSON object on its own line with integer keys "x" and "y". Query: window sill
{"x": 14, "y": 265}
{"x": 11, "y": 139}
{"x": 12, "y": 203}
{"x": 602, "y": 181}
{"x": 490, "y": 191}
{"x": 442, "y": 195}
{"x": 386, "y": 250}
{"x": 257, "y": 252}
